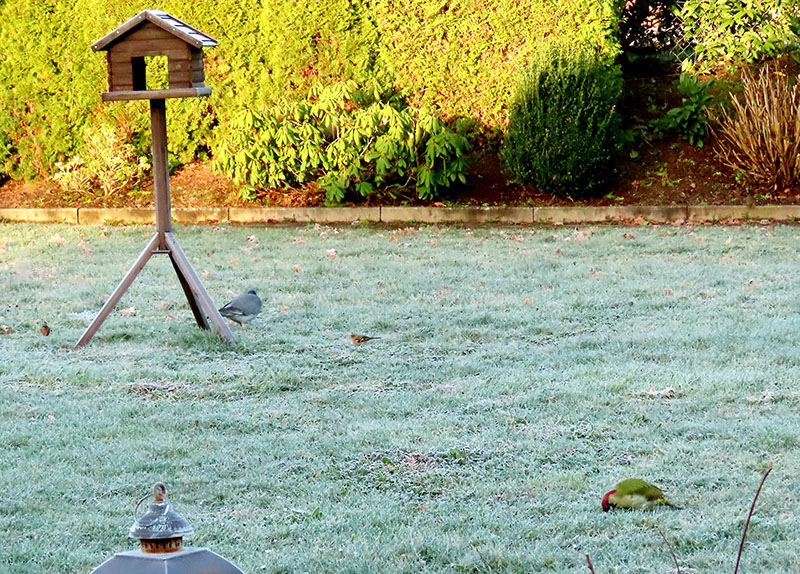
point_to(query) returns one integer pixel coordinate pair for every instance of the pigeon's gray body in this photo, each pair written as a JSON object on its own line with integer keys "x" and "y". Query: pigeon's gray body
{"x": 242, "y": 308}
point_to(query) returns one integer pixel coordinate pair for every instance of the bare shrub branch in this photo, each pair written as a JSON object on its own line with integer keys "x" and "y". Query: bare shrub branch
{"x": 747, "y": 524}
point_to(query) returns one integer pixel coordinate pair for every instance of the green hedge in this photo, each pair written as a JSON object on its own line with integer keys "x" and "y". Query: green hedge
{"x": 459, "y": 58}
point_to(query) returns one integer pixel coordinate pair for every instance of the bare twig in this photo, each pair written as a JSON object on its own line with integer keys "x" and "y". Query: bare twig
{"x": 589, "y": 561}
{"x": 671, "y": 551}
{"x": 488, "y": 566}
{"x": 747, "y": 524}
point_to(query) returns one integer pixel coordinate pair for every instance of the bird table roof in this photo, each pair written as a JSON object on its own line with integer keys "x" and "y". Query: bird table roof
{"x": 163, "y": 20}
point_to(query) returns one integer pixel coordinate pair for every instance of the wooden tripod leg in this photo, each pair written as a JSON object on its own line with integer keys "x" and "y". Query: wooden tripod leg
{"x": 112, "y": 301}
{"x": 199, "y": 316}
{"x": 201, "y": 296}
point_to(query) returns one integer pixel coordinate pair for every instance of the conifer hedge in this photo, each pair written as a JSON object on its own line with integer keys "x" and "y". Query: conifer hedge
{"x": 458, "y": 57}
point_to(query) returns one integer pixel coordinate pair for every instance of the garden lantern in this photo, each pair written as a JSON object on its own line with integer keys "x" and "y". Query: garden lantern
{"x": 154, "y": 33}
{"x": 160, "y": 531}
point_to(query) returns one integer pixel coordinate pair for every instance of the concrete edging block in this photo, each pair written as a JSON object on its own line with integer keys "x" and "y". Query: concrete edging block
{"x": 609, "y": 214}
{"x": 711, "y": 213}
{"x": 194, "y": 215}
{"x": 303, "y": 214}
{"x": 44, "y": 215}
{"x": 774, "y": 212}
{"x": 467, "y": 215}
{"x": 128, "y": 216}
{"x": 656, "y": 214}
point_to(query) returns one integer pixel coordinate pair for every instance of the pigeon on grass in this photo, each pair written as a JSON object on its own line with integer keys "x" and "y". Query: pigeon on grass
{"x": 242, "y": 308}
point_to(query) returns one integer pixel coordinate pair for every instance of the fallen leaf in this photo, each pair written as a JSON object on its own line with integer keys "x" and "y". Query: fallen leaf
{"x": 6, "y": 329}
{"x": 296, "y": 269}
{"x": 233, "y": 262}
{"x": 669, "y": 292}
{"x": 57, "y": 240}
{"x": 129, "y": 312}
{"x": 529, "y": 300}
{"x": 205, "y": 274}
{"x": 45, "y": 330}
{"x": 331, "y": 253}
{"x": 767, "y": 397}
{"x": 252, "y": 239}
{"x": 667, "y": 393}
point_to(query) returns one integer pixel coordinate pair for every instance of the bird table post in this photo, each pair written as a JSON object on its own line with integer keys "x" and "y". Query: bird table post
{"x": 156, "y": 33}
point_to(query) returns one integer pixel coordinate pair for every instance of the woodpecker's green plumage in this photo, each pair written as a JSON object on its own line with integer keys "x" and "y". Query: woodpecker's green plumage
{"x": 635, "y": 493}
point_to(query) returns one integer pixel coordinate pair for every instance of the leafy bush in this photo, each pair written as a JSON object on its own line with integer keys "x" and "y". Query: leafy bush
{"x": 690, "y": 120}
{"x": 563, "y": 128}
{"x": 349, "y": 141}
{"x": 111, "y": 164}
{"x": 761, "y": 138}
{"x": 731, "y": 31}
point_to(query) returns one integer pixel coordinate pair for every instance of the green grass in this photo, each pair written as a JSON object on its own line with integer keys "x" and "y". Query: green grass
{"x": 508, "y": 392}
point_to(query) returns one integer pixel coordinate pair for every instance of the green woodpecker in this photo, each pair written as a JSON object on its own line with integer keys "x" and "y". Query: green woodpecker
{"x": 634, "y": 493}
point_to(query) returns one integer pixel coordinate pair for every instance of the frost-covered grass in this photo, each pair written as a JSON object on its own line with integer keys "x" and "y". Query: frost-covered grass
{"x": 520, "y": 373}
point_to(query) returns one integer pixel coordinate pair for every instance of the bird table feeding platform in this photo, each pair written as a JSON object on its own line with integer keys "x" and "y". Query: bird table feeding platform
{"x": 156, "y": 33}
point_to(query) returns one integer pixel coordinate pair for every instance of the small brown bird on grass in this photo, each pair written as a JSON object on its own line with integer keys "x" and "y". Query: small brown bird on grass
{"x": 361, "y": 339}
{"x": 45, "y": 330}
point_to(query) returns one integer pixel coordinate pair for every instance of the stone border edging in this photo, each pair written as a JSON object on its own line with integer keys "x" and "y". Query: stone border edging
{"x": 397, "y": 215}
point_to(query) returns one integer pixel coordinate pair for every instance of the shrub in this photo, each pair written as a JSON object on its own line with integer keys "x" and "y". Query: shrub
{"x": 732, "y": 31}
{"x": 346, "y": 139}
{"x": 563, "y": 127}
{"x": 111, "y": 164}
{"x": 690, "y": 119}
{"x": 761, "y": 137}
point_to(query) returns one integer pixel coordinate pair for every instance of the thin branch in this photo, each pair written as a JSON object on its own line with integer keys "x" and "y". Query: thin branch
{"x": 747, "y": 524}
{"x": 589, "y": 561}
{"x": 671, "y": 551}
{"x": 488, "y": 566}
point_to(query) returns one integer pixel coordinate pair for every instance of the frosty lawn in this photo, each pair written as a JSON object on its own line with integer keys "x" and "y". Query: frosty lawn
{"x": 521, "y": 372}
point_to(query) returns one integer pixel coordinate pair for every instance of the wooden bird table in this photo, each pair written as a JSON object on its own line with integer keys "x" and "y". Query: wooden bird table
{"x": 152, "y": 33}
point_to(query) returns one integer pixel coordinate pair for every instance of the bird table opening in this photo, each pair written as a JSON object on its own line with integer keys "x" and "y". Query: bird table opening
{"x": 154, "y": 33}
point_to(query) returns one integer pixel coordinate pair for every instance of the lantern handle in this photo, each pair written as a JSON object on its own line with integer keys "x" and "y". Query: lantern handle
{"x": 159, "y": 494}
